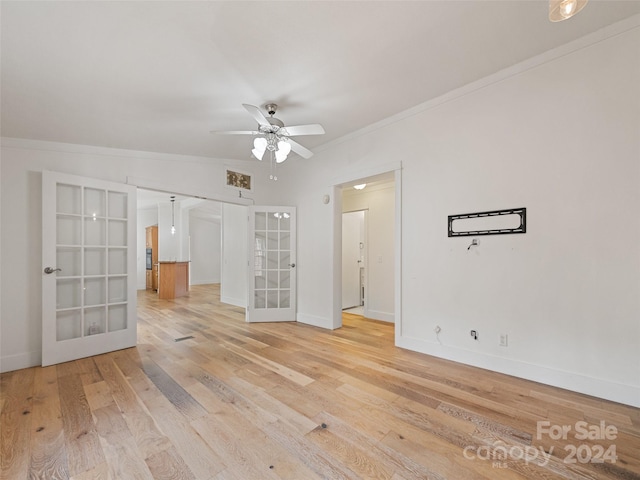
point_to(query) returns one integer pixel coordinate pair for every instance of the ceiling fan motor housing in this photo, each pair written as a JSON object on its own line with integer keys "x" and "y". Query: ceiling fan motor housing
{"x": 271, "y": 110}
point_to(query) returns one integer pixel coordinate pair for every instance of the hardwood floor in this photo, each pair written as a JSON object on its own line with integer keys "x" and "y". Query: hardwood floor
{"x": 289, "y": 401}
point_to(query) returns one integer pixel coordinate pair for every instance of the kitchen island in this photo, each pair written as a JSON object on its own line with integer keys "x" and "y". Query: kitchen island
{"x": 173, "y": 279}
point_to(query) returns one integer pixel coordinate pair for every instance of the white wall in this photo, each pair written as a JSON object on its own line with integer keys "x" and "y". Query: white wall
{"x": 171, "y": 247}
{"x": 146, "y": 218}
{"x": 205, "y": 250}
{"x": 233, "y": 287}
{"x": 558, "y": 135}
{"x": 21, "y": 209}
{"x": 380, "y": 204}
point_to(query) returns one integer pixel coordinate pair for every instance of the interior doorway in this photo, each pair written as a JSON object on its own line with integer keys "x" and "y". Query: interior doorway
{"x": 188, "y": 230}
{"x": 369, "y": 249}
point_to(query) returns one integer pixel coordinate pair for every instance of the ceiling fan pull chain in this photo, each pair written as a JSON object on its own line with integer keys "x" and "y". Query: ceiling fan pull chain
{"x": 273, "y": 169}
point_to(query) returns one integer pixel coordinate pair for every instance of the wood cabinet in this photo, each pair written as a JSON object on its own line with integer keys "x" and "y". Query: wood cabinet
{"x": 152, "y": 243}
{"x": 174, "y": 280}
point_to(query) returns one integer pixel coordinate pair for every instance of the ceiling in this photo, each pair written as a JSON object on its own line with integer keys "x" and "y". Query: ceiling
{"x": 159, "y": 76}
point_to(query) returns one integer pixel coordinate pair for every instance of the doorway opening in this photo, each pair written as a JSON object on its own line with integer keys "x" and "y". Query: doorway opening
{"x": 195, "y": 230}
{"x": 369, "y": 248}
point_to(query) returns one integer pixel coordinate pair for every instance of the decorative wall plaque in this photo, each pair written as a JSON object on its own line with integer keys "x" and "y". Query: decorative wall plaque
{"x": 238, "y": 180}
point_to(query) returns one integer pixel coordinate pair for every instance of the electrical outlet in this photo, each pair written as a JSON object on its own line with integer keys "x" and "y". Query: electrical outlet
{"x": 504, "y": 340}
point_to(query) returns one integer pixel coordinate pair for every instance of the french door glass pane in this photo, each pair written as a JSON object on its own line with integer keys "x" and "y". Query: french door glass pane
{"x": 94, "y": 203}
{"x": 285, "y": 279}
{"x": 95, "y": 321}
{"x": 95, "y": 231}
{"x": 68, "y": 230}
{"x": 68, "y": 199}
{"x": 261, "y": 221}
{"x": 272, "y": 299}
{"x": 117, "y": 289}
{"x": 68, "y": 324}
{"x": 117, "y": 317}
{"x": 117, "y": 261}
{"x": 117, "y": 233}
{"x": 260, "y": 298}
{"x": 117, "y": 205}
{"x": 284, "y": 299}
{"x": 95, "y": 291}
{"x": 69, "y": 260}
{"x": 68, "y": 293}
{"x": 285, "y": 223}
{"x": 95, "y": 261}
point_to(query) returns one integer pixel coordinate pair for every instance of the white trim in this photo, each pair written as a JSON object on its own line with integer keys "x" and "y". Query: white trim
{"x": 336, "y": 255}
{"x": 316, "y": 321}
{"x": 237, "y": 302}
{"x": 370, "y": 171}
{"x": 597, "y": 387}
{"x": 382, "y": 316}
{"x": 185, "y": 190}
{"x": 397, "y": 284}
{"x": 11, "y": 142}
{"x": 20, "y": 361}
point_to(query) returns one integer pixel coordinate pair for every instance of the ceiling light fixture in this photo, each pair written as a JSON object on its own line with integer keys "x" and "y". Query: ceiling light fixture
{"x": 278, "y": 146}
{"x": 173, "y": 223}
{"x": 563, "y": 9}
{"x": 360, "y": 187}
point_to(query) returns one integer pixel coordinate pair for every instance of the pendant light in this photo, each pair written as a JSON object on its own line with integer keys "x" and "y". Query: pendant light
{"x": 173, "y": 223}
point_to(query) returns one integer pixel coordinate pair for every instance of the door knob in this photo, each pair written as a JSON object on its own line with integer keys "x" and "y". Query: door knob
{"x": 292, "y": 265}
{"x": 50, "y": 270}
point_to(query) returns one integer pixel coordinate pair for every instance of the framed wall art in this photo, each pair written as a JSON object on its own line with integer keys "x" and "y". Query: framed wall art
{"x": 238, "y": 180}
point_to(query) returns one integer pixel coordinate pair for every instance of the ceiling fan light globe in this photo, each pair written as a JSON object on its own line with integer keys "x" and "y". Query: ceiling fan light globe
{"x": 258, "y": 153}
{"x": 284, "y": 147}
{"x": 280, "y": 157}
{"x": 283, "y": 150}
{"x": 260, "y": 145}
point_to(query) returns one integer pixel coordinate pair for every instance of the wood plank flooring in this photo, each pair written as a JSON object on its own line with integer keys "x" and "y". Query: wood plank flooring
{"x": 288, "y": 401}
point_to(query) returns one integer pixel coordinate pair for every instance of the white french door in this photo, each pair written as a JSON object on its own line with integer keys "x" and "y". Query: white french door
{"x": 89, "y": 267}
{"x": 272, "y": 264}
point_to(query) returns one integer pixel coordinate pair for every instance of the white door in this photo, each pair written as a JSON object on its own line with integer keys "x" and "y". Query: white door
{"x": 89, "y": 267}
{"x": 353, "y": 249}
{"x": 272, "y": 264}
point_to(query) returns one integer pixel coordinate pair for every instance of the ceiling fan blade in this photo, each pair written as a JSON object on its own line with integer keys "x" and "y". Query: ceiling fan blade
{"x": 300, "y": 150}
{"x": 237, "y": 132}
{"x": 257, "y": 114}
{"x": 313, "y": 129}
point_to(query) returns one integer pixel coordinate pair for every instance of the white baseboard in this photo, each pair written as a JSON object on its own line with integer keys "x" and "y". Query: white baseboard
{"x": 20, "y": 361}
{"x": 597, "y": 387}
{"x": 315, "y": 321}
{"x": 238, "y": 302}
{"x": 206, "y": 281}
{"x": 382, "y": 316}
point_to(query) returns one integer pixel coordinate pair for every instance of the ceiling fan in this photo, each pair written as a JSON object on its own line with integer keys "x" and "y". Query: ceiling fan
{"x": 274, "y": 135}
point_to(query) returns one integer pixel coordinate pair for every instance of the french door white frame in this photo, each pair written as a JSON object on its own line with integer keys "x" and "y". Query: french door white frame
{"x": 88, "y": 267}
{"x": 271, "y": 266}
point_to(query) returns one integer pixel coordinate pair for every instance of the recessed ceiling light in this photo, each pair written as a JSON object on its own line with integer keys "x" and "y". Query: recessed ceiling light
{"x": 360, "y": 187}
